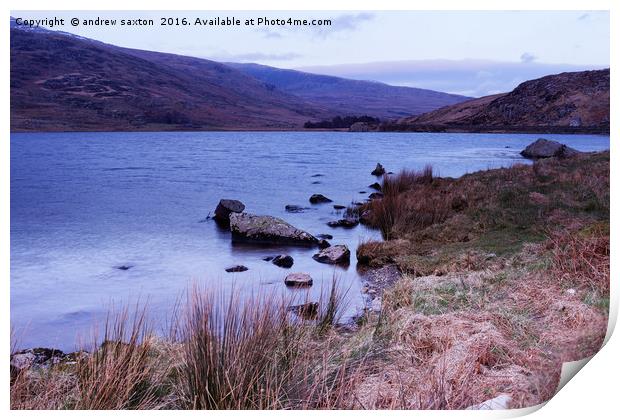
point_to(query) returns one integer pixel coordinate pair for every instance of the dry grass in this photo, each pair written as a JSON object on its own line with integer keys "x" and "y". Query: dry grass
{"x": 224, "y": 353}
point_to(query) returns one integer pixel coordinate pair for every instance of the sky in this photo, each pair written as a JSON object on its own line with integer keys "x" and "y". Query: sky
{"x": 468, "y": 52}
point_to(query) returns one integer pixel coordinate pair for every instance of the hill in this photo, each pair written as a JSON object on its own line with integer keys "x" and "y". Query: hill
{"x": 351, "y": 97}
{"x": 565, "y": 102}
{"x": 61, "y": 82}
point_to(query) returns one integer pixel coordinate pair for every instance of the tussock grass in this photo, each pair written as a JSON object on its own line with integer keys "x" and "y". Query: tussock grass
{"x": 224, "y": 352}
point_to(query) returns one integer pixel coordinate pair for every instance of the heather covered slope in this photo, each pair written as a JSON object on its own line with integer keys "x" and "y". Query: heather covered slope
{"x": 61, "y": 82}
{"x": 577, "y": 101}
{"x": 352, "y": 97}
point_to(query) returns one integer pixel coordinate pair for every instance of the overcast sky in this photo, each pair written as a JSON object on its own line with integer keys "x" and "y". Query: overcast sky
{"x": 489, "y": 51}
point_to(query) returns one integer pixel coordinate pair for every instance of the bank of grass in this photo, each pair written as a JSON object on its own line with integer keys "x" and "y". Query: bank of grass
{"x": 506, "y": 276}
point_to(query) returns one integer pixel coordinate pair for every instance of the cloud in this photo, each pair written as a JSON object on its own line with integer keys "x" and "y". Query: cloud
{"x": 526, "y": 57}
{"x": 268, "y": 33}
{"x": 344, "y": 23}
{"x": 256, "y": 56}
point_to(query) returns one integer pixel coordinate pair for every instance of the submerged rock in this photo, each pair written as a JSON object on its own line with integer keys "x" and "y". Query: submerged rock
{"x": 308, "y": 310}
{"x": 336, "y": 254}
{"x": 224, "y": 209}
{"x": 375, "y": 186}
{"x": 247, "y": 227}
{"x": 292, "y": 208}
{"x": 319, "y": 198}
{"x": 347, "y": 222}
{"x": 379, "y": 170}
{"x": 543, "y": 148}
{"x": 324, "y": 236}
{"x": 298, "y": 280}
{"x": 339, "y": 207}
{"x": 237, "y": 269}
{"x": 284, "y": 261}
{"x": 123, "y": 267}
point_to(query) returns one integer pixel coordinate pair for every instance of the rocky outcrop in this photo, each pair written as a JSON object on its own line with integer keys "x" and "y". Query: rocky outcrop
{"x": 247, "y": 227}
{"x": 543, "y": 148}
{"x": 379, "y": 170}
{"x": 565, "y": 102}
{"x": 284, "y": 261}
{"x": 319, "y": 198}
{"x": 336, "y": 254}
{"x": 225, "y": 207}
{"x": 298, "y": 280}
{"x": 40, "y": 357}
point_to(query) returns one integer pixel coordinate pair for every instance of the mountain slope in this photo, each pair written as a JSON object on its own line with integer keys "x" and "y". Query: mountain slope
{"x": 352, "y": 97}
{"x": 576, "y": 101}
{"x": 64, "y": 82}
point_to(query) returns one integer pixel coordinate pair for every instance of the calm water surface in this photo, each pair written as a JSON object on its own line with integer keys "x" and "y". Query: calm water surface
{"x": 84, "y": 203}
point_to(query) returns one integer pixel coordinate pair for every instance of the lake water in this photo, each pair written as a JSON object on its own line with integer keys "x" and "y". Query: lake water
{"x": 84, "y": 203}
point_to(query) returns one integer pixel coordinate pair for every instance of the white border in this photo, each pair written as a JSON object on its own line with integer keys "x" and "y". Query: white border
{"x": 592, "y": 394}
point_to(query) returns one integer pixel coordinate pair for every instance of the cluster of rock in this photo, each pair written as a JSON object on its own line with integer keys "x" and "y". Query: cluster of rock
{"x": 40, "y": 357}
{"x": 247, "y": 227}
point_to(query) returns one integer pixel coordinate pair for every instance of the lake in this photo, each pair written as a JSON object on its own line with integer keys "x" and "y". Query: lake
{"x": 85, "y": 203}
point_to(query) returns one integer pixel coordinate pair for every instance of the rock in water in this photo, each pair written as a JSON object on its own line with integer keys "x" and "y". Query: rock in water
{"x": 247, "y": 227}
{"x": 237, "y": 269}
{"x": 292, "y": 208}
{"x": 319, "y": 198}
{"x": 347, "y": 222}
{"x": 224, "y": 209}
{"x": 374, "y": 186}
{"x": 543, "y": 148}
{"x": 324, "y": 244}
{"x": 298, "y": 280}
{"x": 284, "y": 261}
{"x": 308, "y": 310}
{"x": 378, "y": 171}
{"x": 337, "y": 254}
{"x": 375, "y": 196}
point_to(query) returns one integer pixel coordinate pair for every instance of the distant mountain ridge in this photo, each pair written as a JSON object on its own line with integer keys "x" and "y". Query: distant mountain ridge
{"x": 65, "y": 82}
{"x": 567, "y": 102}
{"x": 352, "y": 97}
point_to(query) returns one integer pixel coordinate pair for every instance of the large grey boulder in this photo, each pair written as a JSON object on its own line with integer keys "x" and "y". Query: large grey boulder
{"x": 247, "y": 227}
{"x": 543, "y": 148}
{"x": 224, "y": 209}
{"x": 336, "y": 254}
